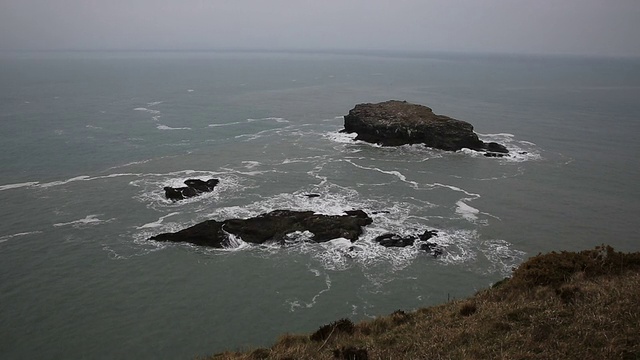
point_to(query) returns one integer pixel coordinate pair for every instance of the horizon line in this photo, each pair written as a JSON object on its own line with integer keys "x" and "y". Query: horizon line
{"x": 338, "y": 51}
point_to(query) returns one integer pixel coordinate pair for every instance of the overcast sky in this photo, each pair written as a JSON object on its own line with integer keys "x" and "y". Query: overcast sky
{"x": 595, "y": 27}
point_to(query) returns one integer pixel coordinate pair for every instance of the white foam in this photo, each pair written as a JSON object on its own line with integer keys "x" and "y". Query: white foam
{"x": 227, "y": 124}
{"x": 315, "y": 272}
{"x": 471, "y": 153}
{"x": 9, "y": 237}
{"x": 498, "y": 135}
{"x": 130, "y": 164}
{"x": 308, "y": 159}
{"x": 88, "y": 220}
{"x": 395, "y": 173}
{"x": 467, "y": 212}
{"x": 157, "y": 223}
{"x": 501, "y": 256}
{"x": 251, "y": 164}
{"x": 328, "y": 203}
{"x": 81, "y": 178}
{"x": 396, "y": 216}
{"x": 346, "y": 138}
{"x": 63, "y": 182}
{"x": 460, "y": 246}
{"x": 154, "y": 103}
{"x": 190, "y": 90}
{"x": 294, "y": 304}
{"x": 19, "y": 185}
{"x": 234, "y": 242}
{"x": 165, "y": 127}
{"x": 519, "y": 150}
{"x": 112, "y": 176}
{"x": 455, "y": 188}
{"x": 276, "y": 119}
{"x": 341, "y": 137}
{"x": 254, "y": 136}
{"x": 150, "y": 111}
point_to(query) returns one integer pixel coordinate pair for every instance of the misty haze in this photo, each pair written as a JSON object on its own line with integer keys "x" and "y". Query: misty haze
{"x": 185, "y": 178}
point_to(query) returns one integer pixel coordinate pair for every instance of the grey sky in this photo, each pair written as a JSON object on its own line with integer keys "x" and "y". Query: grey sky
{"x": 596, "y": 27}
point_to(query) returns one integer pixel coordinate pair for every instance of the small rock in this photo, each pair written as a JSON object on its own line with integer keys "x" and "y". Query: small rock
{"x": 194, "y": 187}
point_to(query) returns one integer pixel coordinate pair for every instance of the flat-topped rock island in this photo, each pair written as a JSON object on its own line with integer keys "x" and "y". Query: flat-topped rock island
{"x": 394, "y": 123}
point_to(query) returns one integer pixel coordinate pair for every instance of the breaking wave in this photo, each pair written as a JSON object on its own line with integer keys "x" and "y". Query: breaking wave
{"x": 403, "y": 217}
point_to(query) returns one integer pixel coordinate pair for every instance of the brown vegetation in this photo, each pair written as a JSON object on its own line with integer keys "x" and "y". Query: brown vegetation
{"x": 568, "y": 305}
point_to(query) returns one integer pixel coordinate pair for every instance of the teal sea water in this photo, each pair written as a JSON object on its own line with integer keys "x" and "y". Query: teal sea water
{"x": 88, "y": 141}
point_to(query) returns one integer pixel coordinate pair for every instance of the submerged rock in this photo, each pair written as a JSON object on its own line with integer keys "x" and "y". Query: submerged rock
{"x": 272, "y": 227}
{"x": 194, "y": 187}
{"x": 394, "y": 123}
{"x": 396, "y": 240}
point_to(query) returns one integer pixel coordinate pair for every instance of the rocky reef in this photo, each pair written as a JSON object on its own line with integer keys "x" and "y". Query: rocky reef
{"x": 272, "y": 227}
{"x": 397, "y": 240}
{"x": 394, "y": 123}
{"x": 279, "y": 226}
{"x": 194, "y": 187}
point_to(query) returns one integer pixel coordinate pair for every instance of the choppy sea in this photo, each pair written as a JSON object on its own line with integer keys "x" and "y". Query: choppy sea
{"x": 89, "y": 140}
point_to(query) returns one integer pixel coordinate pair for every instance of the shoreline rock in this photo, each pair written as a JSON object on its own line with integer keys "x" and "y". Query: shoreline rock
{"x": 394, "y": 123}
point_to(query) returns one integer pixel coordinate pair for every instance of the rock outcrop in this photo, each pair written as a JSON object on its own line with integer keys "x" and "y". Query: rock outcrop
{"x": 396, "y": 240}
{"x": 394, "y": 123}
{"x": 194, "y": 187}
{"x": 272, "y": 227}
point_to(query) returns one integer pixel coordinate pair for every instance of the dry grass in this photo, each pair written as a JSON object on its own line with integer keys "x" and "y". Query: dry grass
{"x": 568, "y": 305}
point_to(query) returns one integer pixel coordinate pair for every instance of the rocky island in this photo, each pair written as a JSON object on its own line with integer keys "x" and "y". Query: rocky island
{"x": 394, "y": 123}
{"x": 279, "y": 226}
{"x": 194, "y": 187}
{"x": 272, "y": 227}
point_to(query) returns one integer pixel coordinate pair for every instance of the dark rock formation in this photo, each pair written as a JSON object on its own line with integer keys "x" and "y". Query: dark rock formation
{"x": 494, "y": 154}
{"x": 396, "y": 240}
{"x": 393, "y": 123}
{"x": 194, "y": 187}
{"x": 272, "y": 227}
{"x": 431, "y": 248}
{"x": 496, "y": 148}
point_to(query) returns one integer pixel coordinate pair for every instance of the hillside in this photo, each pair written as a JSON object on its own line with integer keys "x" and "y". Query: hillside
{"x": 568, "y": 305}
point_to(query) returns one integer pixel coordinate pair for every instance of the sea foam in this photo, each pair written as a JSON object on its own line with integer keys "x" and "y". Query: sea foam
{"x": 165, "y": 127}
{"x": 9, "y": 237}
{"x": 89, "y": 220}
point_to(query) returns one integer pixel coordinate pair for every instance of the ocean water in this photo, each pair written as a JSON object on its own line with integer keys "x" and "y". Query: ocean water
{"x": 88, "y": 141}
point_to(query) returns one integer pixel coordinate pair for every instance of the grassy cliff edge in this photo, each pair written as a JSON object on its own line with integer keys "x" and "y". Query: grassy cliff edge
{"x": 567, "y": 305}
